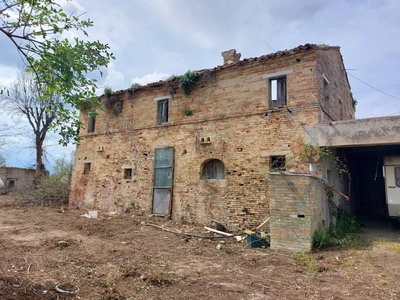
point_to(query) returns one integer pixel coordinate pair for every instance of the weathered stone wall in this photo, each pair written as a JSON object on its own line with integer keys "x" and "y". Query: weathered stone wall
{"x": 230, "y": 107}
{"x": 298, "y": 207}
{"x": 18, "y": 177}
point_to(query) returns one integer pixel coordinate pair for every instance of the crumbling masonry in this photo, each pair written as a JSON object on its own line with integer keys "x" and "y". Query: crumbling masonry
{"x": 207, "y": 155}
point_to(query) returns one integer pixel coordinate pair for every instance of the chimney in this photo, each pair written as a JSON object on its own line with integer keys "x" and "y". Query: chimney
{"x": 230, "y": 57}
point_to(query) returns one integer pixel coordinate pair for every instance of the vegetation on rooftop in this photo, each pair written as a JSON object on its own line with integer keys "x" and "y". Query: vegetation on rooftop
{"x": 187, "y": 81}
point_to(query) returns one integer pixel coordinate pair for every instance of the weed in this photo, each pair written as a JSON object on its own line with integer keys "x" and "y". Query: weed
{"x": 188, "y": 112}
{"x": 310, "y": 153}
{"x": 336, "y": 232}
{"x": 348, "y": 263}
{"x": 107, "y": 92}
{"x": 135, "y": 85}
{"x": 187, "y": 81}
{"x": 156, "y": 265}
{"x": 201, "y": 251}
{"x": 307, "y": 261}
{"x": 163, "y": 279}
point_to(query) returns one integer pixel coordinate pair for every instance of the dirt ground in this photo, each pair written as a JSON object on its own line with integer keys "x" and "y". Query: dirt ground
{"x": 122, "y": 257}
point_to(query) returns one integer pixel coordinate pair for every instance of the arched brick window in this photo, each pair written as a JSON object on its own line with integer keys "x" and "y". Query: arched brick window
{"x": 213, "y": 169}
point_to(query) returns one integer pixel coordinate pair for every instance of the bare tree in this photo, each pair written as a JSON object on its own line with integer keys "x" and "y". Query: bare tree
{"x": 2, "y": 161}
{"x": 26, "y": 100}
{"x": 7, "y": 131}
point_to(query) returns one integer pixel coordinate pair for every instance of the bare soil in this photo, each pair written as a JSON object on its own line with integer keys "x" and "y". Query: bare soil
{"x": 45, "y": 249}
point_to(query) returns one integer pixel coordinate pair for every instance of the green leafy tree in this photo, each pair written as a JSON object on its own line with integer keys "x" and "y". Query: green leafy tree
{"x": 61, "y": 66}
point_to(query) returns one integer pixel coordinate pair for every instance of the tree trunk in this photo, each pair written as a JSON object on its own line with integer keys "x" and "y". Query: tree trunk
{"x": 39, "y": 161}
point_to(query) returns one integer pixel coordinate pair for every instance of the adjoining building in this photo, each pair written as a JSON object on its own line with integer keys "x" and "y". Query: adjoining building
{"x": 222, "y": 144}
{"x": 13, "y": 177}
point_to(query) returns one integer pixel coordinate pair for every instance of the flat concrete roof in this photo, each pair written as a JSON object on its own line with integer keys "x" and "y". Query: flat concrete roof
{"x": 357, "y": 132}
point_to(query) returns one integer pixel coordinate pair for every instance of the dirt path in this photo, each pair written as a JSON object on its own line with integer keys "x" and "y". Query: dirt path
{"x": 119, "y": 257}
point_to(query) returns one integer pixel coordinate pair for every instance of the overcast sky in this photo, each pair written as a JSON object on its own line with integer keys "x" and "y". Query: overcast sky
{"x": 154, "y": 39}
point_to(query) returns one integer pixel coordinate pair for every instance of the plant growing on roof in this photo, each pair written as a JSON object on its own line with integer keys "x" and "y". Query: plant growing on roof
{"x": 187, "y": 81}
{"x": 109, "y": 101}
{"x": 354, "y": 103}
{"x": 135, "y": 85}
{"x": 107, "y": 92}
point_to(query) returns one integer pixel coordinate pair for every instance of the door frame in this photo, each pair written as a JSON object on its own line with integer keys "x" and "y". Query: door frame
{"x": 170, "y": 188}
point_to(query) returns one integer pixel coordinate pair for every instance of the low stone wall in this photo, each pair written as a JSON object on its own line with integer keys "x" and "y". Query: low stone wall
{"x": 298, "y": 207}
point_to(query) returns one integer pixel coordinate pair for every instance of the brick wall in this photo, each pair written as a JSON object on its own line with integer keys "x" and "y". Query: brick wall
{"x": 230, "y": 107}
{"x": 338, "y": 105}
{"x": 298, "y": 207}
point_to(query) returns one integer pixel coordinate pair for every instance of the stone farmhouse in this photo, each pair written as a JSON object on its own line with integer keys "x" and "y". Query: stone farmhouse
{"x": 18, "y": 177}
{"x": 227, "y": 148}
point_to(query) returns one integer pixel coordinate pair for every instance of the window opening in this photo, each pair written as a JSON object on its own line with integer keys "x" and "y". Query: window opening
{"x": 326, "y": 91}
{"x": 277, "y": 92}
{"x": 128, "y": 174}
{"x": 340, "y": 109}
{"x": 278, "y": 163}
{"x": 397, "y": 176}
{"x": 86, "y": 168}
{"x": 91, "y": 125}
{"x": 11, "y": 183}
{"x": 162, "y": 111}
{"x": 213, "y": 169}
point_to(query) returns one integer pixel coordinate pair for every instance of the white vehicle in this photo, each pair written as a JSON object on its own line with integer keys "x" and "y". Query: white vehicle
{"x": 391, "y": 172}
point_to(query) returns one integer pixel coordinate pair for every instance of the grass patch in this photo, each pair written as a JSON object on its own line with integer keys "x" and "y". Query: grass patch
{"x": 308, "y": 261}
{"x": 389, "y": 245}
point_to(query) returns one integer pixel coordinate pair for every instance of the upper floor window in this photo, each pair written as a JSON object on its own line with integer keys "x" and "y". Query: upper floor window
{"x": 162, "y": 111}
{"x": 277, "y": 92}
{"x": 86, "y": 168}
{"x": 213, "y": 169}
{"x": 128, "y": 173}
{"x": 91, "y": 125}
{"x": 326, "y": 90}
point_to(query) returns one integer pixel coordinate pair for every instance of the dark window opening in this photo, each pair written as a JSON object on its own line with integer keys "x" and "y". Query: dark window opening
{"x": 278, "y": 163}
{"x": 91, "y": 125}
{"x": 162, "y": 111}
{"x": 11, "y": 183}
{"x": 340, "y": 109}
{"x": 277, "y": 92}
{"x": 326, "y": 91}
{"x": 86, "y": 168}
{"x": 213, "y": 169}
{"x": 128, "y": 174}
{"x": 397, "y": 176}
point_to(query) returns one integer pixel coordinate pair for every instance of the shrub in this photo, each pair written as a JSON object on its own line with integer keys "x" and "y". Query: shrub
{"x": 336, "y": 233}
{"x": 107, "y": 92}
{"x": 187, "y": 81}
{"x": 52, "y": 192}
